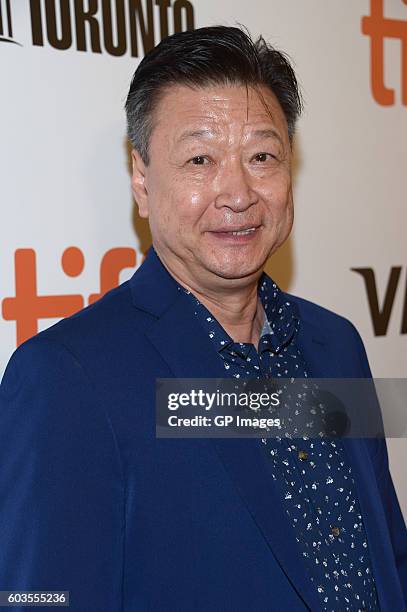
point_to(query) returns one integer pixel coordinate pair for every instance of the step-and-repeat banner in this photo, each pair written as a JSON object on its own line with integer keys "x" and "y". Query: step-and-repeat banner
{"x": 69, "y": 230}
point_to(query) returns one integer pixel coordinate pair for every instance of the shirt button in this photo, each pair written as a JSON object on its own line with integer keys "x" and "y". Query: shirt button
{"x": 303, "y": 455}
{"x": 335, "y": 531}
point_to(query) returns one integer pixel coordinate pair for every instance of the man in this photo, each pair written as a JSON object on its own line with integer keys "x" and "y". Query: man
{"x": 91, "y": 501}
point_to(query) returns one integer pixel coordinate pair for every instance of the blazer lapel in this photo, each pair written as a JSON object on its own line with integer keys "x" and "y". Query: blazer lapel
{"x": 248, "y": 468}
{"x": 189, "y": 353}
{"x": 380, "y": 547}
{"x": 323, "y": 363}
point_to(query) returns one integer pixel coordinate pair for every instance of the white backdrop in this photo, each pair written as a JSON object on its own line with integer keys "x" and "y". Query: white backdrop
{"x": 65, "y": 169}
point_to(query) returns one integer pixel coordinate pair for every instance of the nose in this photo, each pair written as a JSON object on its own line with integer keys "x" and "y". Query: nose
{"x": 234, "y": 188}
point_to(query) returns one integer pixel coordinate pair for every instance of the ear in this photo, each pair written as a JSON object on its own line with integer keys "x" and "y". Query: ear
{"x": 138, "y": 184}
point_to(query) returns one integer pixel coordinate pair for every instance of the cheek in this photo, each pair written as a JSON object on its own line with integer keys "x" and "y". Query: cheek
{"x": 178, "y": 207}
{"x": 278, "y": 196}
{"x": 190, "y": 203}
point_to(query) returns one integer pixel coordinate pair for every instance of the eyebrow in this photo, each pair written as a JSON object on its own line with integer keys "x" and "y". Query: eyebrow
{"x": 195, "y": 134}
{"x": 207, "y": 133}
{"x": 268, "y": 133}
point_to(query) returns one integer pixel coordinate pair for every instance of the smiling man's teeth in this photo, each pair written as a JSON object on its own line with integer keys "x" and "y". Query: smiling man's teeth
{"x": 243, "y": 232}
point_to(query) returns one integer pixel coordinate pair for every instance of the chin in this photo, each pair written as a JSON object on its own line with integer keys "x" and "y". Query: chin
{"x": 233, "y": 269}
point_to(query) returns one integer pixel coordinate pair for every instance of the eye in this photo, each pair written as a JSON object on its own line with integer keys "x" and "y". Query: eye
{"x": 199, "y": 160}
{"x": 263, "y": 157}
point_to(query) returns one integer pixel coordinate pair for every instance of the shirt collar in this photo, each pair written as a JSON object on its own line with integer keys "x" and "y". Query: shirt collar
{"x": 282, "y": 316}
{"x": 280, "y": 322}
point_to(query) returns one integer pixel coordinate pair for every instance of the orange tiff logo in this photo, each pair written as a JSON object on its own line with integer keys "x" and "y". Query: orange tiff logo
{"x": 26, "y": 308}
{"x": 378, "y": 28}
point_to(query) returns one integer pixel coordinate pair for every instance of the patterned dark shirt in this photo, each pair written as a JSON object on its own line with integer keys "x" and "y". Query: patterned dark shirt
{"x": 314, "y": 476}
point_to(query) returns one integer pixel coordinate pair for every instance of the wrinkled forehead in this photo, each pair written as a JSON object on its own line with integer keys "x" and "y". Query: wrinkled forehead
{"x": 216, "y": 108}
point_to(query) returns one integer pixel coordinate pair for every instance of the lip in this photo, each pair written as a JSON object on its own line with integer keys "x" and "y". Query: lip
{"x": 226, "y": 235}
{"x": 240, "y": 228}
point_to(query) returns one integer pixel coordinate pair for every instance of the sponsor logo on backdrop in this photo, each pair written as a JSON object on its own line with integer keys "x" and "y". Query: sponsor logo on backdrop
{"x": 26, "y": 308}
{"x": 115, "y": 27}
{"x": 378, "y": 28}
{"x": 380, "y": 315}
{"x": 6, "y": 24}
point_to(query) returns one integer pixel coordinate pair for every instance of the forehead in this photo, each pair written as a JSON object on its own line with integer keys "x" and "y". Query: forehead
{"x": 217, "y": 107}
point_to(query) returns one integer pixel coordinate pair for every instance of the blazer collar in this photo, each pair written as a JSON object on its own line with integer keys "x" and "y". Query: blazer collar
{"x": 152, "y": 287}
{"x": 154, "y": 290}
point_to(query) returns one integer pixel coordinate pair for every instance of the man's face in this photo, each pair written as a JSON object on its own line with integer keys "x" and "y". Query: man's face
{"x": 220, "y": 163}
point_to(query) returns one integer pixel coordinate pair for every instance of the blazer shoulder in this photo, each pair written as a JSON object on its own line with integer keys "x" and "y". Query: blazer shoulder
{"x": 103, "y": 324}
{"x": 111, "y": 310}
{"x": 97, "y": 339}
{"x": 335, "y": 329}
{"x": 321, "y": 317}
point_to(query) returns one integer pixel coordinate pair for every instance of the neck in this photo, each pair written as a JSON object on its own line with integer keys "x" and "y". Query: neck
{"x": 241, "y": 315}
{"x": 236, "y": 307}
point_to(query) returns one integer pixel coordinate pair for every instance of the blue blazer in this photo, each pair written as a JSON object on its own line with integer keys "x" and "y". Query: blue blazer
{"x": 93, "y": 503}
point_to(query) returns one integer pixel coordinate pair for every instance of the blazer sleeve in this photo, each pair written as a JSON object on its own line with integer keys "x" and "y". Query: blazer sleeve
{"x": 61, "y": 485}
{"x": 395, "y": 521}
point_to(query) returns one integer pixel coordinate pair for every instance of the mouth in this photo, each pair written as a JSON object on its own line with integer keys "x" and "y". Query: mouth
{"x": 243, "y": 232}
{"x": 236, "y": 233}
